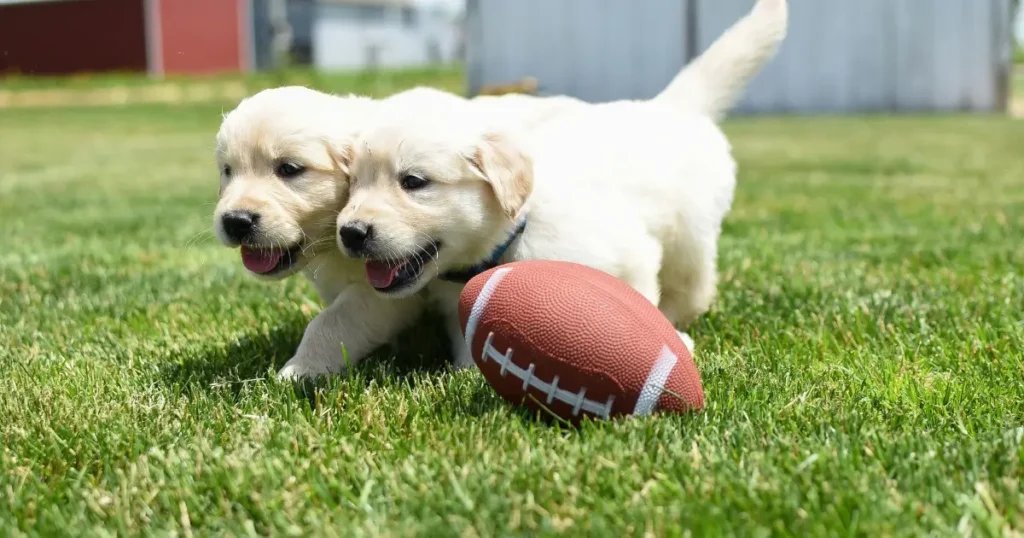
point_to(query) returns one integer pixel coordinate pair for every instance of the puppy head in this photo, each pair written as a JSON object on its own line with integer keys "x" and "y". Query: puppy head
{"x": 429, "y": 195}
{"x": 282, "y": 182}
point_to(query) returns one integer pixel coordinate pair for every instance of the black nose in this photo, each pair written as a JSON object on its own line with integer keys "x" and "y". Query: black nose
{"x": 238, "y": 224}
{"x": 355, "y": 235}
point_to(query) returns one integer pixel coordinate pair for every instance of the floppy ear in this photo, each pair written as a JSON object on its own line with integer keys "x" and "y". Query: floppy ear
{"x": 342, "y": 155}
{"x": 507, "y": 168}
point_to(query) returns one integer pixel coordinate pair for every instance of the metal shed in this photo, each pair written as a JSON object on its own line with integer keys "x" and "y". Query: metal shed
{"x": 840, "y": 55}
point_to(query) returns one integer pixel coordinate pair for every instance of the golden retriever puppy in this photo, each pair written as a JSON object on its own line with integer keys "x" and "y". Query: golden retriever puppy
{"x": 637, "y": 189}
{"x": 277, "y": 153}
{"x": 281, "y": 185}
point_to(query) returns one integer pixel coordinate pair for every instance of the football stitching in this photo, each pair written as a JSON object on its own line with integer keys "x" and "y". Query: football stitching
{"x": 577, "y": 400}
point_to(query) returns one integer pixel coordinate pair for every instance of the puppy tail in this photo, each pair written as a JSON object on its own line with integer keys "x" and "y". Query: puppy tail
{"x": 713, "y": 82}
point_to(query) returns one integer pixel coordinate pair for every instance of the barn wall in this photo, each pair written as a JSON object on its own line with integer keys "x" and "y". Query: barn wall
{"x": 72, "y": 36}
{"x": 204, "y": 36}
{"x": 840, "y": 55}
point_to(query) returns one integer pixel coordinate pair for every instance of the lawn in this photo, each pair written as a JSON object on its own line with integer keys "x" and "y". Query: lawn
{"x": 371, "y": 82}
{"x": 128, "y": 89}
{"x": 864, "y": 364}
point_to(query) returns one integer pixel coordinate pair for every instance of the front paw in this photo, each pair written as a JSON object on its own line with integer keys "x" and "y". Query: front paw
{"x": 687, "y": 341}
{"x": 462, "y": 357}
{"x": 298, "y": 369}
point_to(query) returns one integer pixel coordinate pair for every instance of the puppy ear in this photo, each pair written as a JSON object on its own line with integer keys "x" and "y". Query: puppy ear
{"x": 507, "y": 168}
{"x": 342, "y": 155}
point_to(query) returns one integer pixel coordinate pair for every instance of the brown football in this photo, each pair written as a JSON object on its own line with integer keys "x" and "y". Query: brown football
{"x": 576, "y": 341}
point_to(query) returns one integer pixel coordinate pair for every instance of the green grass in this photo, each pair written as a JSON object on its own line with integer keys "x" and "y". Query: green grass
{"x": 863, "y": 365}
{"x": 369, "y": 82}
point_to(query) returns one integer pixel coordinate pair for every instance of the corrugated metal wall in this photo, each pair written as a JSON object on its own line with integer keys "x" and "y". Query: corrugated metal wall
{"x": 593, "y": 49}
{"x": 840, "y": 56}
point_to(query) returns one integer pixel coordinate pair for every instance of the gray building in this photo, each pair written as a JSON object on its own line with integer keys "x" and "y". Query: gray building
{"x": 366, "y": 34}
{"x": 282, "y": 32}
{"x": 840, "y": 55}
{"x": 353, "y": 34}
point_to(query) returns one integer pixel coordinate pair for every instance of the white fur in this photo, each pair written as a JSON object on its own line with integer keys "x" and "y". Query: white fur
{"x": 310, "y": 127}
{"x": 637, "y": 189}
{"x": 714, "y": 81}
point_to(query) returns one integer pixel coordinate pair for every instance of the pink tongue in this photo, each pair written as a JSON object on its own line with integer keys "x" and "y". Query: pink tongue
{"x": 380, "y": 274}
{"x": 261, "y": 260}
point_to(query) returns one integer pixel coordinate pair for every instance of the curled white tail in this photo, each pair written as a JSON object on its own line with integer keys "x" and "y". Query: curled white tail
{"x": 714, "y": 81}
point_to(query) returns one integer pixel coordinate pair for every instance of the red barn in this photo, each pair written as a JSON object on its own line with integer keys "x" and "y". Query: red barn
{"x": 57, "y": 37}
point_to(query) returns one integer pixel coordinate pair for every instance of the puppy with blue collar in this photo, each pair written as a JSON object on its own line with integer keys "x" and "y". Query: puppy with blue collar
{"x": 637, "y": 189}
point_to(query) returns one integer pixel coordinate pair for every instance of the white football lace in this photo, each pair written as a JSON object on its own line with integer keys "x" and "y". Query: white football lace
{"x": 577, "y": 400}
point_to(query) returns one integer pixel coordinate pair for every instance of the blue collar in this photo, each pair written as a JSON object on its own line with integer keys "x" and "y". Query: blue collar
{"x": 463, "y": 276}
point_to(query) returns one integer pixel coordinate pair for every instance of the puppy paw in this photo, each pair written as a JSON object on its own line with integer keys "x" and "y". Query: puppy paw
{"x": 463, "y": 358}
{"x": 687, "y": 340}
{"x": 291, "y": 372}
{"x": 295, "y": 370}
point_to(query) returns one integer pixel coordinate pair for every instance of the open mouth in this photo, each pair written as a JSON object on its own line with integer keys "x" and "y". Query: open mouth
{"x": 269, "y": 261}
{"x": 394, "y": 275}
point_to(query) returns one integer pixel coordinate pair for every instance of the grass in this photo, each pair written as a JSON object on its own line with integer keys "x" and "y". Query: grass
{"x": 863, "y": 365}
{"x": 125, "y": 89}
{"x": 371, "y": 82}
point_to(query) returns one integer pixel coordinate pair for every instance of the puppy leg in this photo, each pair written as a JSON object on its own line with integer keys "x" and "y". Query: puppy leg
{"x": 446, "y": 296}
{"x": 643, "y": 260}
{"x": 358, "y": 319}
{"x": 688, "y": 287}
{"x": 646, "y": 280}
{"x": 461, "y": 356}
{"x": 687, "y": 340}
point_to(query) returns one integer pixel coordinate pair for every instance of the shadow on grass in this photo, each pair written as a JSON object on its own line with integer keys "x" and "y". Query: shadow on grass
{"x": 422, "y": 348}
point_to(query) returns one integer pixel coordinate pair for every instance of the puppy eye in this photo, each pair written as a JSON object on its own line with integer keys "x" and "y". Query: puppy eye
{"x": 226, "y": 171}
{"x": 288, "y": 169}
{"x": 411, "y": 182}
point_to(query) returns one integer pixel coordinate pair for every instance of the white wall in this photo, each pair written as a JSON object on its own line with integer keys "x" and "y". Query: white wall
{"x": 342, "y": 41}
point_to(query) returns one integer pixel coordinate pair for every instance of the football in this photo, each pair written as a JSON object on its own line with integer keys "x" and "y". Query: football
{"x": 575, "y": 341}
